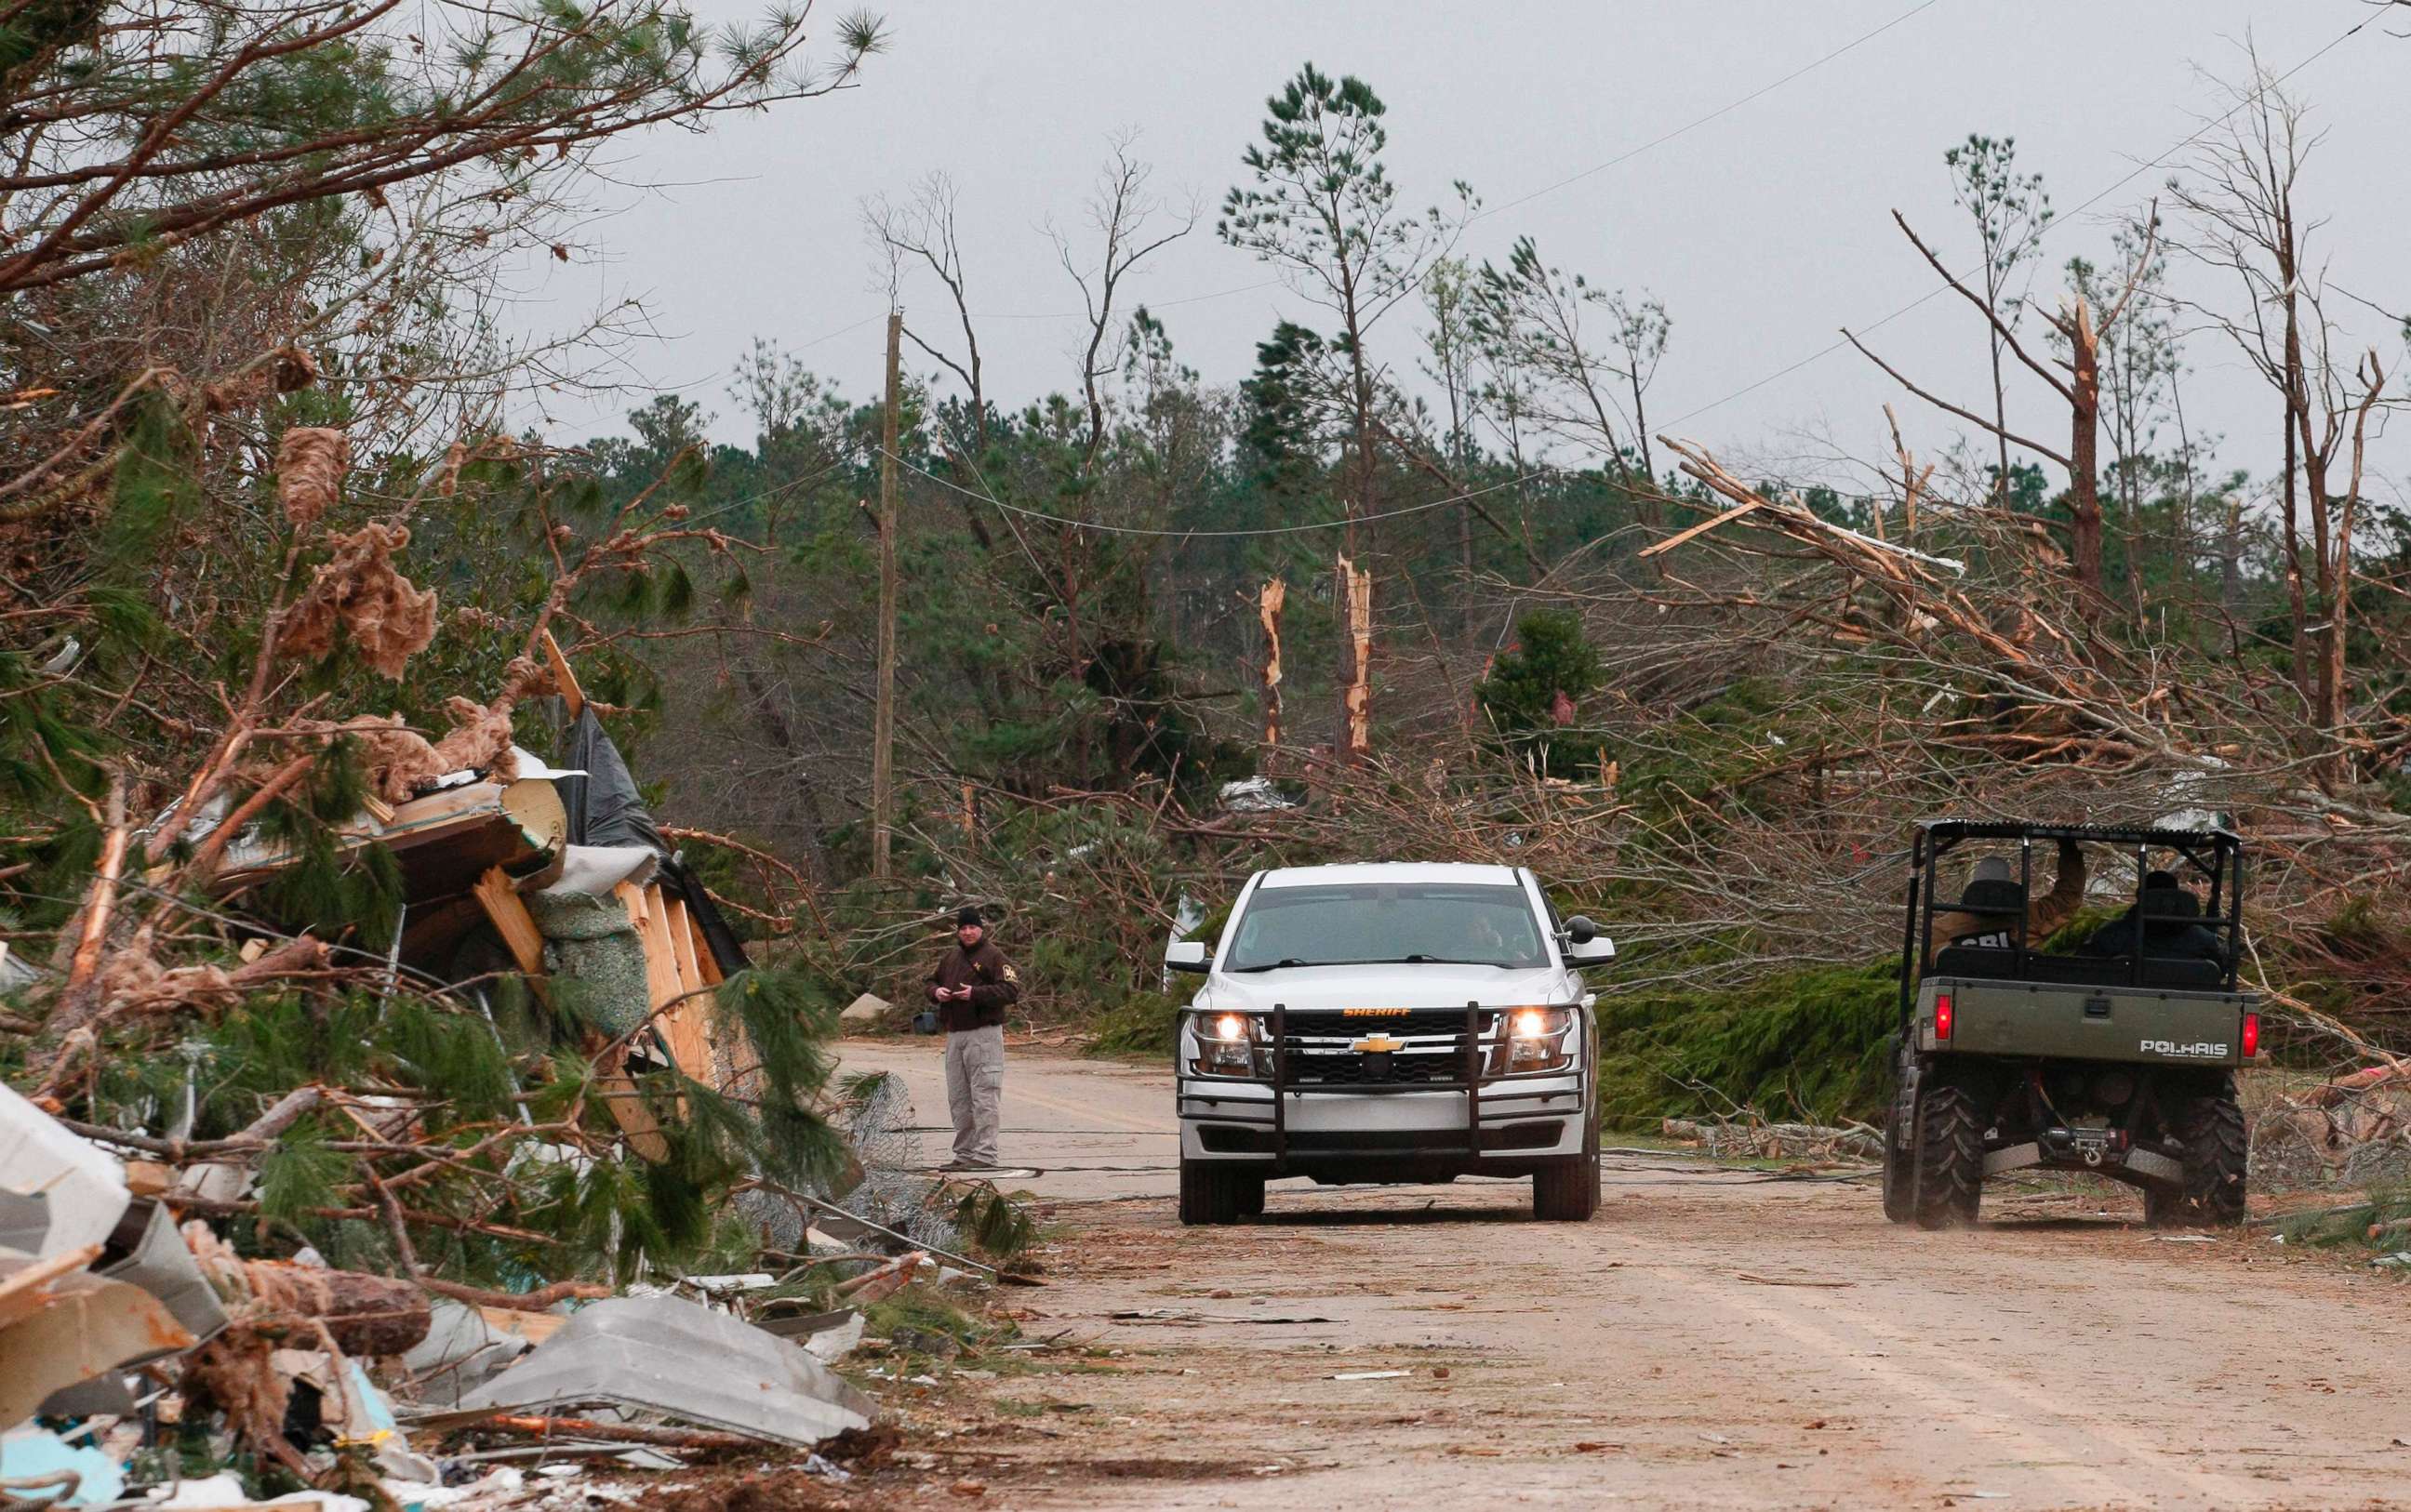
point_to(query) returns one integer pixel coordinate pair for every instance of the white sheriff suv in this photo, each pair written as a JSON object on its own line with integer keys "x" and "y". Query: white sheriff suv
{"x": 1389, "y": 1023}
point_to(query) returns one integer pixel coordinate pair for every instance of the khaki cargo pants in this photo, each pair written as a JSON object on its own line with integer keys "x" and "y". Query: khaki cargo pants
{"x": 975, "y": 1091}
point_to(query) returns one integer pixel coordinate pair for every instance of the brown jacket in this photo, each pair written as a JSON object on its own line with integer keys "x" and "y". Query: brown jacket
{"x": 995, "y": 986}
{"x": 2044, "y": 914}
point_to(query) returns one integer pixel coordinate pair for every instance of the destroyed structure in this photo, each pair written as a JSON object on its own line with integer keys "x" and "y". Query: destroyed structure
{"x": 135, "y": 1309}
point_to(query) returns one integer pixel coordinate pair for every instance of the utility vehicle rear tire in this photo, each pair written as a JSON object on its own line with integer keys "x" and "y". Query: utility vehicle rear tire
{"x": 1899, "y": 1176}
{"x": 1216, "y": 1194}
{"x": 2210, "y": 1128}
{"x": 1950, "y": 1158}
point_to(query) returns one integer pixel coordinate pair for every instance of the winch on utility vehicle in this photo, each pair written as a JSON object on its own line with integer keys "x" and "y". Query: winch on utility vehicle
{"x": 2118, "y": 1059}
{"x": 1389, "y": 1023}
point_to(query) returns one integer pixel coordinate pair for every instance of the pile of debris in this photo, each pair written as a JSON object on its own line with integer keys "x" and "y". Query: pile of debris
{"x": 132, "y": 1345}
{"x": 1753, "y": 1139}
{"x": 170, "y": 1326}
{"x": 2351, "y": 1130}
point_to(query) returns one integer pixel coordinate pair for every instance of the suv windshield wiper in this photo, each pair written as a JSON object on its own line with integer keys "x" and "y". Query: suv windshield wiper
{"x": 1384, "y": 960}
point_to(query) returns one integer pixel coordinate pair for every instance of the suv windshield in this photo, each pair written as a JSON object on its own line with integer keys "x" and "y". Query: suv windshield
{"x": 1380, "y": 922}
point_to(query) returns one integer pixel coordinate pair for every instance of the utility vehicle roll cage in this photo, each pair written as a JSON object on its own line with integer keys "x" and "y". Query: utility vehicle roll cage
{"x": 2215, "y": 853}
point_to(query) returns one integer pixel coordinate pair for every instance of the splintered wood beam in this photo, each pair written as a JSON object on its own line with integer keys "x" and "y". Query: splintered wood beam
{"x": 1356, "y": 697}
{"x": 628, "y": 1110}
{"x": 23, "y": 1292}
{"x": 511, "y": 920}
{"x": 1703, "y": 527}
{"x": 687, "y": 1027}
{"x": 705, "y": 962}
{"x": 573, "y": 698}
{"x": 646, "y": 916}
{"x": 682, "y": 934}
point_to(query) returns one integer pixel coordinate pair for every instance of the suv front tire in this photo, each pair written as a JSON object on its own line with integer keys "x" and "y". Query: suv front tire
{"x": 1212, "y": 1194}
{"x": 1567, "y": 1191}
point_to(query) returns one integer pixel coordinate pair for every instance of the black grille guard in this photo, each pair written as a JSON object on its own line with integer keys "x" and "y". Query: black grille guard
{"x": 1485, "y": 1102}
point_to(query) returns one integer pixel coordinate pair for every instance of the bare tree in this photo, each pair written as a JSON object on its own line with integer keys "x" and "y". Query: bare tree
{"x": 1449, "y": 362}
{"x": 2080, "y": 388}
{"x": 1529, "y": 318}
{"x": 924, "y": 230}
{"x": 2240, "y": 196}
{"x": 2139, "y": 363}
{"x": 1529, "y": 321}
{"x": 1123, "y": 214}
{"x": 1641, "y": 333}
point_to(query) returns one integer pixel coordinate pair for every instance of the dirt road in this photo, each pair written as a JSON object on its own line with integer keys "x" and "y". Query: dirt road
{"x": 1714, "y": 1339}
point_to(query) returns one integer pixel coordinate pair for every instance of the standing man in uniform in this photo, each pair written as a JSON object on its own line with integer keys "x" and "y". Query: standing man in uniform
{"x": 971, "y": 987}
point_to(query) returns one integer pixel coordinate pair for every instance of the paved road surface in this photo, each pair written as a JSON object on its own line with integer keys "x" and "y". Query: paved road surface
{"x": 1714, "y": 1339}
{"x": 1094, "y": 1128}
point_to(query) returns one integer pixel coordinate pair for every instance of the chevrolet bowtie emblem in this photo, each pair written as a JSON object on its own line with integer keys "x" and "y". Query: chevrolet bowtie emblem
{"x": 1374, "y": 1044}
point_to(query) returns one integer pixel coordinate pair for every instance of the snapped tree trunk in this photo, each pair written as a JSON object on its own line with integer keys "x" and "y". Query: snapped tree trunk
{"x": 2296, "y": 607}
{"x": 1269, "y": 611}
{"x": 2084, "y": 453}
{"x": 1355, "y": 584}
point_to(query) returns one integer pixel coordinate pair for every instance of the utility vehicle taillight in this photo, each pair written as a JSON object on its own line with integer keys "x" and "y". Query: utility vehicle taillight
{"x": 1942, "y": 1016}
{"x": 2251, "y": 1035}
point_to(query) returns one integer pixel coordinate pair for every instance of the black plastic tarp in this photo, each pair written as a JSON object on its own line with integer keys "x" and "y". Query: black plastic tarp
{"x": 605, "y": 807}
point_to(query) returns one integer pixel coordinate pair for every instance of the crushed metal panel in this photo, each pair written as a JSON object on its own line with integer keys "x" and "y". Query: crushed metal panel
{"x": 159, "y": 1261}
{"x": 84, "y": 1326}
{"x": 462, "y": 1351}
{"x": 675, "y": 1356}
{"x": 24, "y": 1218}
{"x": 112, "y": 1393}
{"x": 81, "y": 1188}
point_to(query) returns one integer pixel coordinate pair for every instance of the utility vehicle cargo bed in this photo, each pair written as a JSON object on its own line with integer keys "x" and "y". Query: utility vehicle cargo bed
{"x": 2156, "y": 1025}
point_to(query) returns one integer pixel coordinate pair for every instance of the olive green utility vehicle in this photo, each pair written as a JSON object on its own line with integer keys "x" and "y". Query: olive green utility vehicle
{"x": 2119, "y": 1059}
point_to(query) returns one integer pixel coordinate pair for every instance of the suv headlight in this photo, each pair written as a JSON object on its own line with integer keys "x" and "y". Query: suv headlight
{"x": 1539, "y": 1039}
{"x": 1226, "y": 1044}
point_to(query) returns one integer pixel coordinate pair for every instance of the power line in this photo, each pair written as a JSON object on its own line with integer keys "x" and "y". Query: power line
{"x": 1818, "y": 355}
{"x": 1617, "y": 161}
{"x": 2200, "y": 132}
{"x": 1778, "y": 374}
{"x": 1268, "y": 529}
{"x": 1719, "y": 111}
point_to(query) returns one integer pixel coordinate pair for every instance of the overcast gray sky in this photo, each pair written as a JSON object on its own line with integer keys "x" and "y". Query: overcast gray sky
{"x": 1763, "y": 229}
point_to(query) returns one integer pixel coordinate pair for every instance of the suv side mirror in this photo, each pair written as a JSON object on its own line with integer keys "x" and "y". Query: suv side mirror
{"x": 1188, "y": 955}
{"x": 1585, "y": 945}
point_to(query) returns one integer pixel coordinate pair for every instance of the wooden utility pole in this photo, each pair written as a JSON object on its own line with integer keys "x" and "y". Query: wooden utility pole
{"x": 882, "y": 723}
